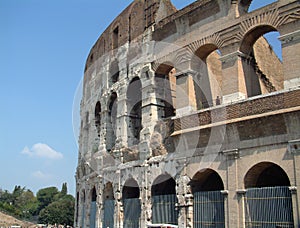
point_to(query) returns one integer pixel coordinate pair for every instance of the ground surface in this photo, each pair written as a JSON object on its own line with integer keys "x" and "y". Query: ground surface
{"x": 6, "y": 220}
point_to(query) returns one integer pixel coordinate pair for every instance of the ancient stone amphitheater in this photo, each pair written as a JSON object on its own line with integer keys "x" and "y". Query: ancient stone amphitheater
{"x": 189, "y": 118}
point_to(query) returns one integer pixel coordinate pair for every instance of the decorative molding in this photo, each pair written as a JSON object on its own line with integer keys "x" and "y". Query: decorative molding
{"x": 290, "y": 14}
{"x": 290, "y": 37}
{"x": 233, "y": 56}
{"x": 212, "y": 39}
{"x": 270, "y": 17}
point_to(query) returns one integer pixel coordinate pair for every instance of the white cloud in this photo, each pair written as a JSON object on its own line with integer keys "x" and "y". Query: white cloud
{"x": 43, "y": 151}
{"x": 41, "y": 176}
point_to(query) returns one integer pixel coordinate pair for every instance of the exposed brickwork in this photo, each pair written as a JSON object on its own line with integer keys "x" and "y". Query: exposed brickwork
{"x": 243, "y": 109}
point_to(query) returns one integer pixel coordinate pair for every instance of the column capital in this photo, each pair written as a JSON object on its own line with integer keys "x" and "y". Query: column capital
{"x": 241, "y": 192}
{"x": 294, "y": 146}
{"x": 290, "y": 37}
{"x": 233, "y": 56}
{"x": 225, "y": 192}
{"x": 293, "y": 189}
{"x": 184, "y": 73}
{"x": 231, "y": 153}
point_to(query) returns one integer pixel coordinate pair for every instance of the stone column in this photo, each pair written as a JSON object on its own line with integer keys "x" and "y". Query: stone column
{"x": 146, "y": 202}
{"x": 234, "y": 84}
{"x": 294, "y": 148}
{"x": 233, "y": 216}
{"x": 291, "y": 57}
{"x": 226, "y": 215}
{"x": 185, "y": 93}
{"x": 293, "y": 190}
{"x": 241, "y": 197}
{"x": 150, "y": 110}
{"x": 100, "y": 207}
{"x": 185, "y": 200}
{"x": 122, "y": 121}
{"x": 119, "y": 210}
{"x": 189, "y": 200}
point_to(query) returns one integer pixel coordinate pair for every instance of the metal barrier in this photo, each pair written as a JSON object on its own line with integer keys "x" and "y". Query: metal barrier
{"x": 93, "y": 211}
{"x": 109, "y": 209}
{"x": 209, "y": 209}
{"x": 163, "y": 209}
{"x": 269, "y": 207}
{"x": 132, "y": 213}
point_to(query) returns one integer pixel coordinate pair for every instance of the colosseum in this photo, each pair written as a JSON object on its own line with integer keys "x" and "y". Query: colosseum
{"x": 190, "y": 119}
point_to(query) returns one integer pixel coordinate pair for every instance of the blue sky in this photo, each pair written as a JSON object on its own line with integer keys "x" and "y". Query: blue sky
{"x": 43, "y": 48}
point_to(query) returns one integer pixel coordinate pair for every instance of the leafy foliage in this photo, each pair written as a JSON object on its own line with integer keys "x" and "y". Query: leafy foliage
{"x": 60, "y": 212}
{"x": 50, "y": 205}
{"x": 46, "y": 196}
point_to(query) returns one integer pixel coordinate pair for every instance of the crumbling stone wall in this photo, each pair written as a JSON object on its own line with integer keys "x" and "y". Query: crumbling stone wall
{"x": 195, "y": 97}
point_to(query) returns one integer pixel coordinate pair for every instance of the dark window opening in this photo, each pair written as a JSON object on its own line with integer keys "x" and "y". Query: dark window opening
{"x": 266, "y": 174}
{"x": 131, "y": 190}
{"x": 115, "y": 38}
{"x": 207, "y": 180}
{"x": 111, "y": 125}
{"x": 94, "y": 195}
{"x": 163, "y": 185}
{"x": 98, "y": 117}
{"x": 134, "y": 98}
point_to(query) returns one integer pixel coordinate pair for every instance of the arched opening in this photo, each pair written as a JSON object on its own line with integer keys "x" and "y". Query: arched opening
{"x": 98, "y": 118}
{"x": 115, "y": 38}
{"x": 112, "y": 121}
{"x": 256, "y": 4}
{"x": 261, "y": 66}
{"x": 266, "y": 174}
{"x": 83, "y": 210}
{"x": 208, "y": 78}
{"x": 114, "y": 72}
{"x": 246, "y": 6}
{"x": 206, "y": 180}
{"x": 165, "y": 82}
{"x": 268, "y": 198}
{"x": 93, "y": 208}
{"x": 131, "y": 203}
{"x": 77, "y": 208}
{"x": 108, "y": 206}
{"x": 134, "y": 105}
{"x": 164, "y": 199}
{"x": 208, "y": 204}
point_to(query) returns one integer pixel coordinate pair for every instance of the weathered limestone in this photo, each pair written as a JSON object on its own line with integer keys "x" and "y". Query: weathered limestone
{"x": 189, "y": 108}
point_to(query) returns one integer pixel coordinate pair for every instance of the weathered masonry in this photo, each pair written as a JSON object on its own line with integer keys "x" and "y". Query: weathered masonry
{"x": 189, "y": 118}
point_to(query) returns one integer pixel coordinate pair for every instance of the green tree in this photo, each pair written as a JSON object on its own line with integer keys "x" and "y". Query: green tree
{"x": 59, "y": 212}
{"x": 17, "y": 192}
{"x": 46, "y": 196}
{"x": 28, "y": 204}
{"x": 64, "y": 190}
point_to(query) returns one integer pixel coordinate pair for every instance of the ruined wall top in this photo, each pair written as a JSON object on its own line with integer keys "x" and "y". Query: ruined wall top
{"x": 129, "y": 25}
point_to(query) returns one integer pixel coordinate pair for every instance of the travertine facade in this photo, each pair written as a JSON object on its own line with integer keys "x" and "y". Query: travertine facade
{"x": 189, "y": 118}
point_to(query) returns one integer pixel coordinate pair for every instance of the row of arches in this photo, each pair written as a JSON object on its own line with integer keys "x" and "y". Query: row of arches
{"x": 204, "y": 90}
{"x": 259, "y": 70}
{"x": 266, "y": 186}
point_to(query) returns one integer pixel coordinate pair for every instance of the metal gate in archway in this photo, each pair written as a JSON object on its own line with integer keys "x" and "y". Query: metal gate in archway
{"x": 83, "y": 215}
{"x": 269, "y": 207}
{"x": 132, "y": 213}
{"x": 164, "y": 209}
{"x": 93, "y": 212}
{"x": 108, "y": 217}
{"x": 209, "y": 209}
